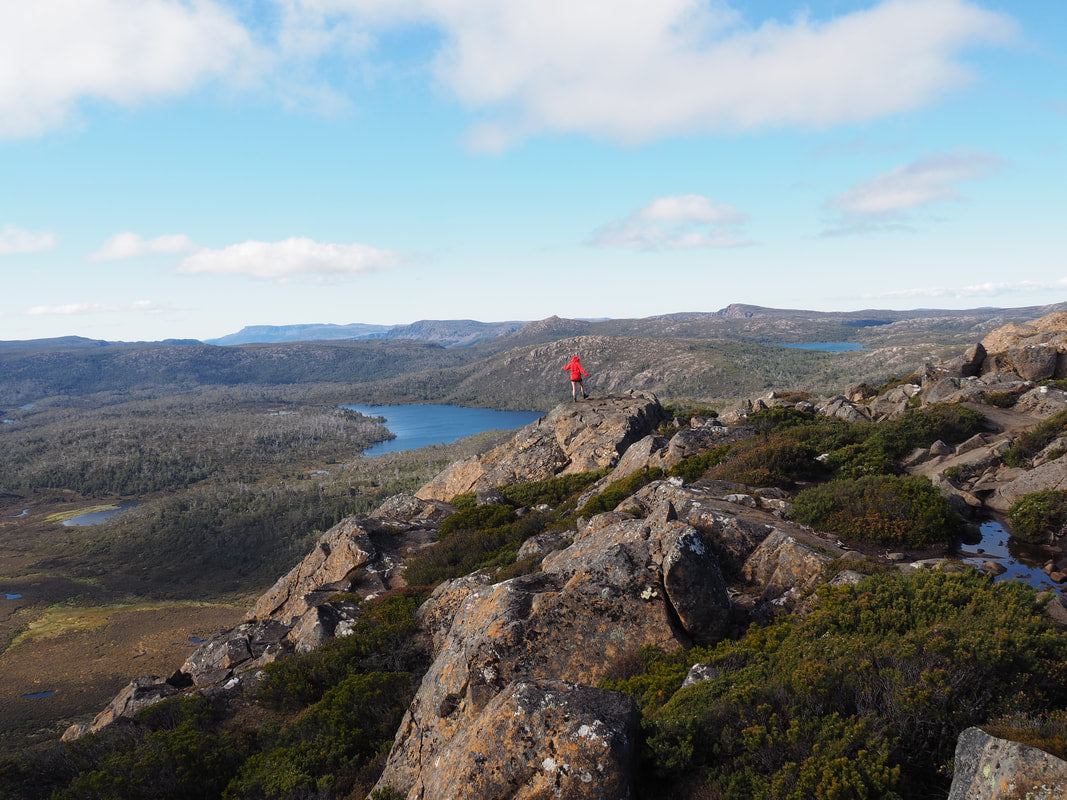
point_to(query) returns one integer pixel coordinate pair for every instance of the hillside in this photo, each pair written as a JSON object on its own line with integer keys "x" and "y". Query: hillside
{"x": 629, "y": 601}
{"x": 707, "y": 357}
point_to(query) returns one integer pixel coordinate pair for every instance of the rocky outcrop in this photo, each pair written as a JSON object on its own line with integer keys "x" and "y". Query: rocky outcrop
{"x": 988, "y": 768}
{"x": 359, "y": 554}
{"x": 140, "y": 693}
{"x": 574, "y": 437}
{"x": 534, "y": 740}
{"x": 624, "y": 583}
{"x": 1049, "y": 330}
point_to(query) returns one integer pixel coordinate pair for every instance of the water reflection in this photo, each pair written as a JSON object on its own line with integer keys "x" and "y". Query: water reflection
{"x": 1021, "y": 560}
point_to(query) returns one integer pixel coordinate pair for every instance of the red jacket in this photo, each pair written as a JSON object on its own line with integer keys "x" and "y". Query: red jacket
{"x": 576, "y": 369}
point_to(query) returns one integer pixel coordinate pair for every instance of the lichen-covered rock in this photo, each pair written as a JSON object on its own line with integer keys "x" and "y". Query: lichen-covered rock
{"x": 572, "y": 438}
{"x": 410, "y": 508}
{"x": 1050, "y": 329}
{"x": 1052, "y": 475}
{"x": 536, "y": 740}
{"x": 781, "y": 564}
{"x": 140, "y": 693}
{"x": 248, "y": 645}
{"x": 339, "y": 551}
{"x": 624, "y": 583}
{"x": 842, "y": 408}
{"x": 988, "y": 768}
{"x": 1042, "y": 402}
{"x": 732, "y": 534}
{"x": 362, "y": 555}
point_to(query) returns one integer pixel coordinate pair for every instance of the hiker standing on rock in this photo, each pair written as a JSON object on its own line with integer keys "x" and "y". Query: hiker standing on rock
{"x": 577, "y": 372}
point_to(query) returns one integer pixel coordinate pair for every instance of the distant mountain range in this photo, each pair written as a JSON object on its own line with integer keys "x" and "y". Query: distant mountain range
{"x": 448, "y": 333}
{"x": 721, "y": 355}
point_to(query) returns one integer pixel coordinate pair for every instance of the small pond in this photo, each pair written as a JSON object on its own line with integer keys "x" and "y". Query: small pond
{"x": 96, "y": 517}
{"x": 418, "y": 426}
{"x": 37, "y": 695}
{"x": 8, "y": 596}
{"x": 1021, "y": 560}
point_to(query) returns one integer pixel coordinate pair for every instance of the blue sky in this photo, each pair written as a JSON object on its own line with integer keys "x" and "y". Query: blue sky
{"x": 183, "y": 168}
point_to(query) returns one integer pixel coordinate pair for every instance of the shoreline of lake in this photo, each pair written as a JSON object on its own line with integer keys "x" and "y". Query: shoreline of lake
{"x": 421, "y": 425}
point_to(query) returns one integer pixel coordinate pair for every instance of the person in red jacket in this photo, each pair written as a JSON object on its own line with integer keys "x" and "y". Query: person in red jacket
{"x": 575, "y": 368}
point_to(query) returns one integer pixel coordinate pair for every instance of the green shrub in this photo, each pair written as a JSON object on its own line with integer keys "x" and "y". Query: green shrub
{"x": 326, "y": 748}
{"x": 381, "y": 640}
{"x": 651, "y": 676}
{"x": 619, "y": 490}
{"x": 1034, "y": 516}
{"x": 884, "y": 509}
{"x": 694, "y": 467}
{"x": 864, "y": 696}
{"x": 1033, "y": 441}
{"x": 1001, "y": 399}
{"x": 552, "y": 491}
{"x": 177, "y": 752}
{"x": 773, "y": 460}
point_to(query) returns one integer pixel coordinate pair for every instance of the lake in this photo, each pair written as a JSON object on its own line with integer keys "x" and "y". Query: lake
{"x": 418, "y": 426}
{"x": 826, "y": 347}
{"x": 96, "y": 517}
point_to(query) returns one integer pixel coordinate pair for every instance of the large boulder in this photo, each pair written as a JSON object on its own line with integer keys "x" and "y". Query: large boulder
{"x": 572, "y": 438}
{"x": 781, "y": 565}
{"x": 1052, "y": 475}
{"x": 1050, "y": 329}
{"x": 138, "y": 694}
{"x": 362, "y": 555}
{"x": 988, "y": 768}
{"x": 624, "y": 583}
{"x": 336, "y": 555}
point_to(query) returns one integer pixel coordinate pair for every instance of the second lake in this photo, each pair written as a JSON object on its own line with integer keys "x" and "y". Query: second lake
{"x": 418, "y": 426}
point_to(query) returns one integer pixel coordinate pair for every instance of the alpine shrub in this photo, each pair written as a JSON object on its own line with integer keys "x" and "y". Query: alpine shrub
{"x": 1036, "y": 515}
{"x": 903, "y": 511}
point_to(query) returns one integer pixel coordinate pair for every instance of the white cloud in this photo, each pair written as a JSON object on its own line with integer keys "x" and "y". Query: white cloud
{"x": 131, "y": 245}
{"x": 986, "y": 289}
{"x": 627, "y": 70}
{"x": 289, "y": 259}
{"x": 75, "y": 309}
{"x": 677, "y": 222}
{"x": 633, "y": 70}
{"x": 56, "y": 53}
{"x": 883, "y": 201}
{"x": 16, "y": 240}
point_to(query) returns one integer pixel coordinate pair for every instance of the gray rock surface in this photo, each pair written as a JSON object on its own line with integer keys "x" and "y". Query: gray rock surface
{"x": 987, "y": 768}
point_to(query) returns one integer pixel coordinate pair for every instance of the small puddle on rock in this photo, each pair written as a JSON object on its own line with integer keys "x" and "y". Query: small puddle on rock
{"x": 1021, "y": 561}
